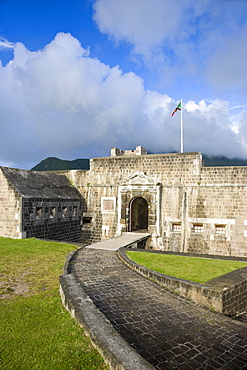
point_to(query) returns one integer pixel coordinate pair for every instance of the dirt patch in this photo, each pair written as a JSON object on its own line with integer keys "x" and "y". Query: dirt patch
{"x": 10, "y": 287}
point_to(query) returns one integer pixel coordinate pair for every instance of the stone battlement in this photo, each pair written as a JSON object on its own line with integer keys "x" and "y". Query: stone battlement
{"x": 115, "y": 152}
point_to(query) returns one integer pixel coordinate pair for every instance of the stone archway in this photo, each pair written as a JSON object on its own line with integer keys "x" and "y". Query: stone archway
{"x": 138, "y": 214}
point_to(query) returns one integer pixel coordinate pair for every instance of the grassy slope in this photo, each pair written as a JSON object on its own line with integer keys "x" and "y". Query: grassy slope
{"x": 36, "y": 331}
{"x": 195, "y": 269}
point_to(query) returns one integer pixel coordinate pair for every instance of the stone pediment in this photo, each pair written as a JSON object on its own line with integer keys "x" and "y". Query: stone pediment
{"x": 138, "y": 178}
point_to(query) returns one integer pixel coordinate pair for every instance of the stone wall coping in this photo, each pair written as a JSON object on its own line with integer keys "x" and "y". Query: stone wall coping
{"x": 148, "y": 155}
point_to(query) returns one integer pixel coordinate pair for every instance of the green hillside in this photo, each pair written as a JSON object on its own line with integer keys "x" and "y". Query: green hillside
{"x": 56, "y": 164}
{"x": 223, "y": 161}
{"x": 217, "y": 161}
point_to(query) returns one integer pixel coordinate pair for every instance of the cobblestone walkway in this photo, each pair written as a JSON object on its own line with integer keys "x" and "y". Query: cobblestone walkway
{"x": 167, "y": 330}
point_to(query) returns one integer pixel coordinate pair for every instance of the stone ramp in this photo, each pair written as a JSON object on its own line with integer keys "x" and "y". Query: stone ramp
{"x": 166, "y": 330}
{"x": 114, "y": 244}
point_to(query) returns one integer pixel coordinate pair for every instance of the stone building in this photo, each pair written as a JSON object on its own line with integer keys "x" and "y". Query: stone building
{"x": 41, "y": 205}
{"x": 185, "y": 206}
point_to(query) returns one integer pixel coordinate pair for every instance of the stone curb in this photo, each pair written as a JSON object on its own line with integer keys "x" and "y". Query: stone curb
{"x": 113, "y": 348}
{"x": 227, "y": 296}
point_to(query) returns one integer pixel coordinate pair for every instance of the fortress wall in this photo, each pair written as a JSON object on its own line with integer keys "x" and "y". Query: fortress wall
{"x": 10, "y": 215}
{"x": 172, "y": 218}
{"x": 191, "y": 208}
{"x": 53, "y": 222}
{"x": 213, "y": 220}
{"x": 170, "y": 169}
{"x": 212, "y": 213}
{"x": 98, "y": 224}
{"x": 167, "y": 168}
{"x": 102, "y": 181}
{"x": 224, "y": 175}
{"x": 222, "y": 200}
{"x": 218, "y": 207}
{"x": 202, "y": 209}
{"x": 38, "y": 205}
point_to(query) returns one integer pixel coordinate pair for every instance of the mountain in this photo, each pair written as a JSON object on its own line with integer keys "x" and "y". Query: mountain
{"x": 56, "y": 164}
{"x": 217, "y": 161}
{"x": 222, "y": 161}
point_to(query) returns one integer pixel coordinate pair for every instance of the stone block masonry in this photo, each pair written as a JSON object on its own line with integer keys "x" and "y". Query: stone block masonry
{"x": 39, "y": 205}
{"x": 184, "y": 206}
{"x": 10, "y": 215}
{"x": 226, "y": 294}
{"x": 57, "y": 219}
{"x": 190, "y": 208}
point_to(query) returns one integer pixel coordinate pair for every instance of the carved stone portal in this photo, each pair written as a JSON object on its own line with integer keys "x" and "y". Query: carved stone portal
{"x": 139, "y": 205}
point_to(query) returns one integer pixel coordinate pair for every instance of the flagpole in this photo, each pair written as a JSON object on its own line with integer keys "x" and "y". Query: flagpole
{"x": 181, "y": 128}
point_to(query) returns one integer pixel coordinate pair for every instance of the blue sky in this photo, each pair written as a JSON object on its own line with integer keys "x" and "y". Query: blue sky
{"x": 78, "y": 77}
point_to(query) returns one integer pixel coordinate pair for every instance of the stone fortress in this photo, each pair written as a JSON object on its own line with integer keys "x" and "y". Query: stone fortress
{"x": 184, "y": 206}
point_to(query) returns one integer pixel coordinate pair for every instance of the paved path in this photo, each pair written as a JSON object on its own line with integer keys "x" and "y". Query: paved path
{"x": 165, "y": 329}
{"x": 114, "y": 244}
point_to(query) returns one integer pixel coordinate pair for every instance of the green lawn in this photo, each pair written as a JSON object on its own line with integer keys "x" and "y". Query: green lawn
{"x": 36, "y": 330}
{"x": 195, "y": 269}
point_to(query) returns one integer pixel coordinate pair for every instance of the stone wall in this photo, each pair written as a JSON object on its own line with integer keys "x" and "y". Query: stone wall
{"x": 98, "y": 221}
{"x": 108, "y": 180}
{"x": 170, "y": 169}
{"x": 222, "y": 212}
{"x": 226, "y": 294}
{"x": 10, "y": 215}
{"x": 39, "y": 204}
{"x": 190, "y": 208}
{"x": 57, "y": 219}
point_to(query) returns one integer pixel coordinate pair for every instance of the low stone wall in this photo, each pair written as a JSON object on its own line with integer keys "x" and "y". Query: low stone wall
{"x": 116, "y": 352}
{"x": 226, "y": 294}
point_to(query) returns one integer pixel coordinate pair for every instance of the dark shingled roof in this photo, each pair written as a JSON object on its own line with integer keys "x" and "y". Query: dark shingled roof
{"x": 31, "y": 184}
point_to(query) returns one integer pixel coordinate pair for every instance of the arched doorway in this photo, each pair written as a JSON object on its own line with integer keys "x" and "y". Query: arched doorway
{"x": 138, "y": 214}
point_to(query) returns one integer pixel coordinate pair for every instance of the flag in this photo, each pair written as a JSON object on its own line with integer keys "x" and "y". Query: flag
{"x": 178, "y": 107}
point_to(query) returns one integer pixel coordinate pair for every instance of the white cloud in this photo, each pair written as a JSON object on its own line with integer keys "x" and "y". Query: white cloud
{"x": 228, "y": 67}
{"x": 143, "y": 23}
{"x": 61, "y": 102}
{"x": 5, "y": 44}
{"x": 203, "y": 38}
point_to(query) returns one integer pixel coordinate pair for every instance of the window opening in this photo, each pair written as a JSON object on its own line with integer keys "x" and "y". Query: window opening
{"x": 87, "y": 221}
{"x": 64, "y": 211}
{"x": 220, "y": 229}
{"x": 38, "y": 214}
{"x": 74, "y": 211}
{"x": 176, "y": 227}
{"x": 198, "y": 228}
{"x": 52, "y": 212}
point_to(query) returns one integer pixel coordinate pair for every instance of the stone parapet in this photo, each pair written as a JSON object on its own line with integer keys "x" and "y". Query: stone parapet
{"x": 226, "y": 294}
{"x": 224, "y": 175}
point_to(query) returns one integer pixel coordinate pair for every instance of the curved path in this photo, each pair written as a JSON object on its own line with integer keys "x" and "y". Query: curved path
{"x": 167, "y": 330}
